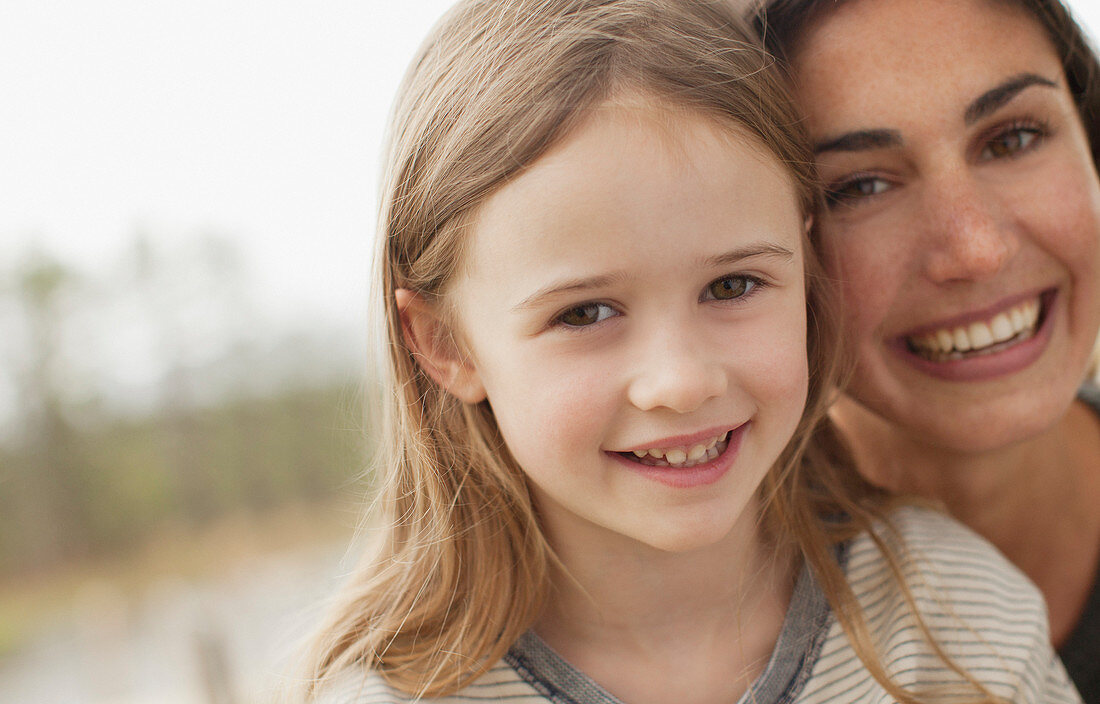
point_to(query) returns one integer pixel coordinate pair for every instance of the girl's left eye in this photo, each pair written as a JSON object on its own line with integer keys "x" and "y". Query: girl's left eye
{"x": 730, "y": 288}
{"x": 1010, "y": 142}
{"x": 585, "y": 315}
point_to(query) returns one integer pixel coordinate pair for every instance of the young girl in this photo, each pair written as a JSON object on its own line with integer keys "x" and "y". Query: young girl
{"x": 604, "y": 475}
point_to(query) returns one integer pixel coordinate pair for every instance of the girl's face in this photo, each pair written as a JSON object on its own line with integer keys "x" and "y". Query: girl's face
{"x": 963, "y": 217}
{"x": 633, "y": 305}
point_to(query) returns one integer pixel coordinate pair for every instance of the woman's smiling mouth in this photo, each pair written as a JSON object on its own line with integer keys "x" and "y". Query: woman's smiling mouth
{"x": 999, "y": 331}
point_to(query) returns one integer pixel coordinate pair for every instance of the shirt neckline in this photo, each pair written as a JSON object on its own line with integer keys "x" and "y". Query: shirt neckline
{"x": 800, "y": 640}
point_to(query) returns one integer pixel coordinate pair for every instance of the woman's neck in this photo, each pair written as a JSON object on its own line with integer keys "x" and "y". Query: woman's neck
{"x": 1036, "y": 500}
{"x": 629, "y": 616}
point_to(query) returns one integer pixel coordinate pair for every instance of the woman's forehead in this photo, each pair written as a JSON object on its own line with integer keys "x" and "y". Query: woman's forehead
{"x": 874, "y": 59}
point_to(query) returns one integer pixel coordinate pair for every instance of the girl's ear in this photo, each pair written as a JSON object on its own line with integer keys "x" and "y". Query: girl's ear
{"x": 434, "y": 348}
{"x": 807, "y": 224}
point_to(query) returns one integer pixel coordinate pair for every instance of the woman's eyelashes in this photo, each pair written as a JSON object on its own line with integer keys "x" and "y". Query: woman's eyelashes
{"x": 854, "y": 188}
{"x": 732, "y": 288}
{"x": 1016, "y": 139}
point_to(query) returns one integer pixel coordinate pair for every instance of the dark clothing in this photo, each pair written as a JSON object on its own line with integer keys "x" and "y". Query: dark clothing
{"x": 1081, "y": 651}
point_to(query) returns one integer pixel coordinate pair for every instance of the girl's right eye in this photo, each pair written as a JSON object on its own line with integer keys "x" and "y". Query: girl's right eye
{"x": 585, "y": 315}
{"x": 857, "y": 188}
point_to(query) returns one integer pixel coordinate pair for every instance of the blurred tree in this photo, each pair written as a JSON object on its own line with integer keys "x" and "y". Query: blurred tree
{"x": 153, "y": 396}
{"x": 54, "y": 519}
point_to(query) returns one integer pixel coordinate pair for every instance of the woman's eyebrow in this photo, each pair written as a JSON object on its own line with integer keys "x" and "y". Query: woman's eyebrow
{"x": 991, "y": 100}
{"x": 985, "y": 104}
{"x": 860, "y": 140}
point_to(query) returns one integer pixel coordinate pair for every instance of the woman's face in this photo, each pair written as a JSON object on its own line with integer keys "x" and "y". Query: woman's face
{"x": 963, "y": 215}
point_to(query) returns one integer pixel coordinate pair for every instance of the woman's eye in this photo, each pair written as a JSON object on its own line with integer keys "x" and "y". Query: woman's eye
{"x": 730, "y": 288}
{"x": 857, "y": 188}
{"x": 588, "y": 314}
{"x": 1010, "y": 143}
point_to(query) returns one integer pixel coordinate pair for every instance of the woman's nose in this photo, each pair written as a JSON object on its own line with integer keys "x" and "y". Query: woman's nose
{"x": 967, "y": 237}
{"x": 678, "y": 374}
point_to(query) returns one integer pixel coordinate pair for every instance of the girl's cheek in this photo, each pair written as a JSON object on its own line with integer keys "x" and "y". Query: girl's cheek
{"x": 769, "y": 361}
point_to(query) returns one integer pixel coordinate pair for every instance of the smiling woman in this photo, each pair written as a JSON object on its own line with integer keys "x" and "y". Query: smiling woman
{"x": 963, "y": 223}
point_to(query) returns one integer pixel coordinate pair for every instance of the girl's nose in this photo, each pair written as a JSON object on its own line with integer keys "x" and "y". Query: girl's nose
{"x": 967, "y": 238}
{"x": 677, "y": 375}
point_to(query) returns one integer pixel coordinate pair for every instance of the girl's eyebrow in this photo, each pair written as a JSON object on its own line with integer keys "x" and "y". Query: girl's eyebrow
{"x": 559, "y": 288}
{"x": 757, "y": 249}
{"x": 566, "y": 286}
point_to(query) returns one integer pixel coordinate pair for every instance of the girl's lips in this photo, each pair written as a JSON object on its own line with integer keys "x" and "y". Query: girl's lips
{"x": 994, "y": 360}
{"x": 701, "y": 474}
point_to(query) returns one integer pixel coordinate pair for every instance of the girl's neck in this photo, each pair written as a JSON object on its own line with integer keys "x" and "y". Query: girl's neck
{"x": 1036, "y": 500}
{"x": 629, "y": 616}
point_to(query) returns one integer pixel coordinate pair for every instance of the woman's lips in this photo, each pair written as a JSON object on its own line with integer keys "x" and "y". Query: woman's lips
{"x": 1001, "y": 342}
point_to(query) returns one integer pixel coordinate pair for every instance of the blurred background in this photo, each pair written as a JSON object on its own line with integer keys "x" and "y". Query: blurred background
{"x": 185, "y": 233}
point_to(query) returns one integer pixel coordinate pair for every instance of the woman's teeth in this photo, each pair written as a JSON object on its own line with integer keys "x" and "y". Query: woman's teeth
{"x": 680, "y": 457}
{"x": 1016, "y": 324}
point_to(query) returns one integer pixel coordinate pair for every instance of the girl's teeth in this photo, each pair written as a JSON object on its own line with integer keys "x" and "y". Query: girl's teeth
{"x": 685, "y": 456}
{"x": 950, "y": 343}
{"x": 676, "y": 457}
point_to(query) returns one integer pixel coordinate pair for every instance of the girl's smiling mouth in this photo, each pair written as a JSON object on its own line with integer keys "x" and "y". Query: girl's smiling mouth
{"x": 686, "y": 452}
{"x": 687, "y": 461}
{"x": 683, "y": 456}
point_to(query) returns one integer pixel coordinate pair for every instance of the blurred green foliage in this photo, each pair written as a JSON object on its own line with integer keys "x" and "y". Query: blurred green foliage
{"x": 227, "y": 419}
{"x": 102, "y": 490}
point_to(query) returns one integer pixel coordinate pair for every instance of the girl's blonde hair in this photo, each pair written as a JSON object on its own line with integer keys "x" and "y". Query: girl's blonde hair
{"x": 461, "y": 568}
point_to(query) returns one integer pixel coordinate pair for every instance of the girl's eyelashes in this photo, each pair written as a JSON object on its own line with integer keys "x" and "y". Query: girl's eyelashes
{"x": 1013, "y": 140}
{"x": 854, "y": 188}
{"x": 584, "y": 315}
{"x": 733, "y": 287}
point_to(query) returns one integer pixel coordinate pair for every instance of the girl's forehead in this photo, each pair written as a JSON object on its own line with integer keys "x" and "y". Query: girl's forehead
{"x": 663, "y": 119}
{"x": 624, "y": 192}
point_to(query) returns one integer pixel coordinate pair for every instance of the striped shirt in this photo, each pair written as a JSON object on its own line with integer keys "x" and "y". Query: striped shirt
{"x": 980, "y": 609}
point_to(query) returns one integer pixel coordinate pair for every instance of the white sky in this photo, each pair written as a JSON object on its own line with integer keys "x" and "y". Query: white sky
{"x": 259, "y": 119}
